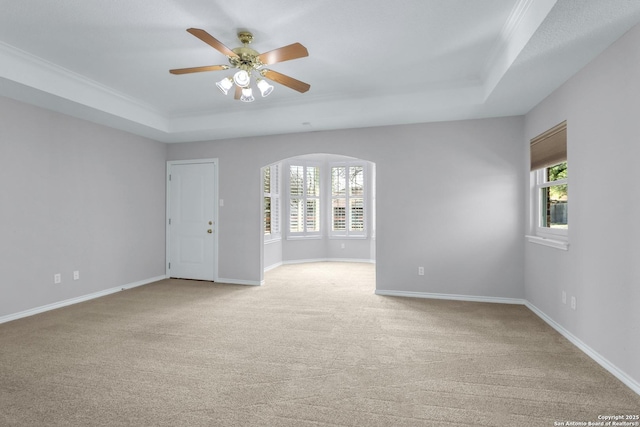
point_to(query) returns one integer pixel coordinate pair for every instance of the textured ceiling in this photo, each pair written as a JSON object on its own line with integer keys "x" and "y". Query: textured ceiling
{"x": 371, "y": 62}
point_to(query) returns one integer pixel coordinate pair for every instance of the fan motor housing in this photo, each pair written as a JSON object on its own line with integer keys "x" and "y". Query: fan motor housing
{"x": 247, "y": 57}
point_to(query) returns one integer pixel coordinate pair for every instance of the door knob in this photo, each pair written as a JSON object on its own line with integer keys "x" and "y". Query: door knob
{"x": 209, "y": 231}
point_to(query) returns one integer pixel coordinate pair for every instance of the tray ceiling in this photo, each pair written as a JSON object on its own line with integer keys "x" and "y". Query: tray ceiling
{"x": 371, "y": 62}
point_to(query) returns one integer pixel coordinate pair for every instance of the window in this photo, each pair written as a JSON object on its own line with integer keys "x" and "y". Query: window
{"x": 304, "y": 200}
{"x": 550, "y": 202}
{"x": 552, "y": 190}
{"x": 347, "y": 200}
{"x": 271, "y": 206}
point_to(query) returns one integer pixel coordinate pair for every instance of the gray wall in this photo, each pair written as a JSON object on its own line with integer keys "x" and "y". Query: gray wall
{"x": 75, "y": 196}
{"x": 601, "y": 268}
{"x": 272, "y": 254}
{"x": 450, "y": 197}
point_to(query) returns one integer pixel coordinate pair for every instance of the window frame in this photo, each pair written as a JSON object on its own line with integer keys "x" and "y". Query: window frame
{"x": 346, "y": 233}
{"x": 547, "y": 150}
{"x": 305, "y": 234}
{"x": 541, "y": 182}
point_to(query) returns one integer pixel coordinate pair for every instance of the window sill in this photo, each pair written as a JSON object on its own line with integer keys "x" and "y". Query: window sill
{"x": 309, "y": 237}
{"x": 348, "y": 237}
{"x": 272, "y": 240}
{"x": 558, "y": 244}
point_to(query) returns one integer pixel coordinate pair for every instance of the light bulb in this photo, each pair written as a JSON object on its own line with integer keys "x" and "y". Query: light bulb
{"x": 265, "y": 87}
{"x": 241, "y": 78}
{"x": 247, "y": 95}
{"x": 225, "y": 84}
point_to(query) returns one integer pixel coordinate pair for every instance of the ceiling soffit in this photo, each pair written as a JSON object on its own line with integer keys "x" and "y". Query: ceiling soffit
{"x": 32, "y": 79}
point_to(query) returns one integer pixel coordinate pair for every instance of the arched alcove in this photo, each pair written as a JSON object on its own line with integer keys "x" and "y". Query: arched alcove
{"x": 346, "y": 223}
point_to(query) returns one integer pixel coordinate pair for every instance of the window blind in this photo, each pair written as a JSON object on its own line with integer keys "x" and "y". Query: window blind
{"x": 550, "y": 147}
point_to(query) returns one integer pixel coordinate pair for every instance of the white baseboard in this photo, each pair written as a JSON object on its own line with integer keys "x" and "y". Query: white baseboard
{"x": 455, "y": 297}
{"x": 597, "y": 357}
{"x": 273, "y": 266}
{"x": 76, "y": 300}
{"x": 359, "y": 260}
{"x": 305, "y": 261}
{"x": 222, "y": 280}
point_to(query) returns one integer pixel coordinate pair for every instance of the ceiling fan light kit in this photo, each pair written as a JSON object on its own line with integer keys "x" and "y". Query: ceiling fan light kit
{"x": 264, "y": 86}
{"x": 247, "y": 60}
{"x": 247, "y": 95}
{"x": 225, "y": 84}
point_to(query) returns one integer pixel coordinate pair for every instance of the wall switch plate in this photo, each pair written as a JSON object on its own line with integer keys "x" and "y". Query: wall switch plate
{"x": 341, "y": 245}
{"x": 57, "y": 278}
{"x": 573, "y": 303}
{"x": 76, "y": 275}
{"x": 420, "y": 271}
{"x": 564, "y": 297}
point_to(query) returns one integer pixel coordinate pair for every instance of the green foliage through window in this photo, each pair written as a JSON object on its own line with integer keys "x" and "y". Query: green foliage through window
{"x": 555, "y": 173}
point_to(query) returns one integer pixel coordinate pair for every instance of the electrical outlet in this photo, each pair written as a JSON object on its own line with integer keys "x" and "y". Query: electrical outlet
{"x": 76, "y": 275}
{"x": 57, "y": 278}
{"x": 564, "y": 297}
{"x": 420, "y": 271}
{"x": 573, "y": 303}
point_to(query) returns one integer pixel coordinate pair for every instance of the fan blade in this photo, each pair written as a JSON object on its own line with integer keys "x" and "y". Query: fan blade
{"x": 199, "y": 69}
{"x": 238, "y": 93}
{"x": 211, "y": 41}
{"x": 294, "y": 84}
{"x": 286, "y": 53}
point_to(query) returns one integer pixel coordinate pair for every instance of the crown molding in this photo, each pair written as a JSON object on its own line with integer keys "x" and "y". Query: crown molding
{"x": 44, "y": 76}
{"x": 525, "y": 19}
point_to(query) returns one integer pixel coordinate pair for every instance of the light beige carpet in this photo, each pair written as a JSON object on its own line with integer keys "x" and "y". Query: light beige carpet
{"x": 313, "y": 347}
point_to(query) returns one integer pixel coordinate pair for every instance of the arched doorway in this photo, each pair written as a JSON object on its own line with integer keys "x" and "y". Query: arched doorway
{"x": 318, "y": 207}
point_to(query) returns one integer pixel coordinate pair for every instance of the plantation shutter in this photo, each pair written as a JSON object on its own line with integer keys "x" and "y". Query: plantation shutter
{"x": 296, "y": 199}
{"x": 266, "y": 189}
{"x": 550, "y": 147}
{"x": 275, "y": 200}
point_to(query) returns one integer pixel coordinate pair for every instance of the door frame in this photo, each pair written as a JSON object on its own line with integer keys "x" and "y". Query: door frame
{"x": 216, "y": 204}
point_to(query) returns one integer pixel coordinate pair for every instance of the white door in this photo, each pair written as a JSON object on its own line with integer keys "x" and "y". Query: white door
{"x": 192, "y": 228}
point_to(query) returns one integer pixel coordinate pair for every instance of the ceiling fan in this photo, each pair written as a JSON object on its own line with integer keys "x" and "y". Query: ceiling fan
{"x": 247, "y": 60}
